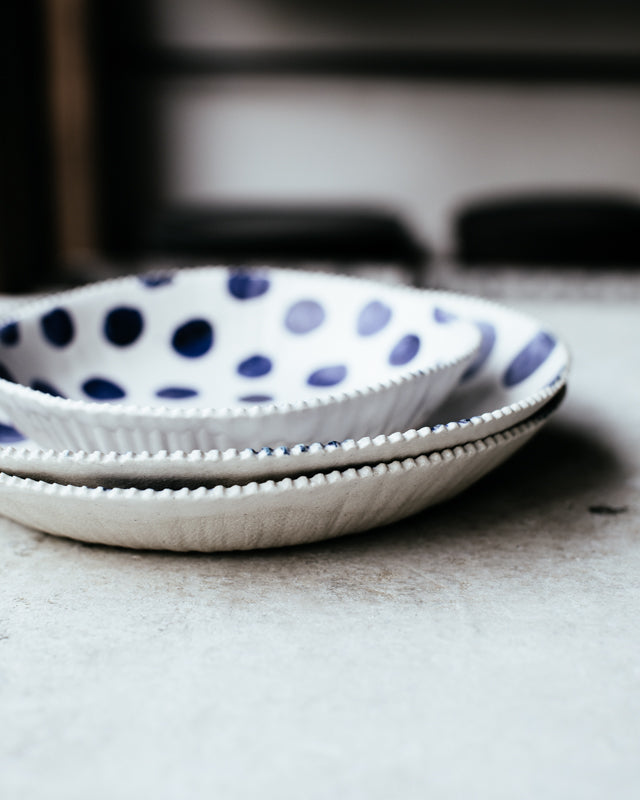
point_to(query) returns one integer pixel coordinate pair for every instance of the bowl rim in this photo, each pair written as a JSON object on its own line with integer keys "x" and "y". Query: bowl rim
{"x": 317, "y": 478}
{"x": 271, "y": 463}
{"x": 39, "y": 305}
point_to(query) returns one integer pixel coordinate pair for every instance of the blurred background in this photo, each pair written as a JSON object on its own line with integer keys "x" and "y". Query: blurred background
{"x": 463, "y": 144}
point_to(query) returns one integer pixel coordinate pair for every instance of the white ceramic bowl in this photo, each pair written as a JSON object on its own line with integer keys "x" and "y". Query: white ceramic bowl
{"x": 487, "y": 401}
{"x": 213, "y": 358}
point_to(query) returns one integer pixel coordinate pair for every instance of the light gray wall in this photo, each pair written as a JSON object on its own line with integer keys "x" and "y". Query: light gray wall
{"x": 419, "y": 146}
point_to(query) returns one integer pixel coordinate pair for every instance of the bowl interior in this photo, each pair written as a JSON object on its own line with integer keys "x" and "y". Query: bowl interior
{"x": 223, "y": 338}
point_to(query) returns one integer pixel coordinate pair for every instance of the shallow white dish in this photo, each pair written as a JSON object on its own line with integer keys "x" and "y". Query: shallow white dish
{"x": 217, "y": 358}
{"x": 482, "y": 405}
{"x": 256, "y": 515}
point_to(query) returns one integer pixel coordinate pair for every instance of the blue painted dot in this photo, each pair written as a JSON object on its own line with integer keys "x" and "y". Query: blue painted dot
{"x": 103, "y": 389}
{"x": 533, "y": 355}
{"x": 255, "y": 366}
{"x": 194, "y": 338}
{"x": 123, "y": 325}
{"x": 247, "y": 285}
{"x": 10, "y": 334}
{"x": 9, "y": 435}
{"x": 443, "y": 316}
{"x": 405, "y": 350}
{"x": 176, "y": 392}
{"x": 5, "y": 374}
{"x": 45, "y": 387}
{"x": 256, "y": 398}
{"x": 304, "y": 316}
{"x": 154, "y": 280}
{"x": 57, "y": 327}
{"x": 487, "y": 343}
{"x": 328, "y": 376}
{"x": 373, "y": 318}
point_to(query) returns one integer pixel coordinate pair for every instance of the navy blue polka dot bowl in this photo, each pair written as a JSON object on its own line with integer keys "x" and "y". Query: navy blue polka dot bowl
{"x": 212, "y": 358}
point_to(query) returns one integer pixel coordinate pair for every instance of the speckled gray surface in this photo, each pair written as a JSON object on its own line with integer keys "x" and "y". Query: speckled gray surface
{"x": 488, "y": 648}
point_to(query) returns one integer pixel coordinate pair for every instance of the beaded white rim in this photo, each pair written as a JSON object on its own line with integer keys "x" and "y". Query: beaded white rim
{"x": 24, "y": 455}
{"x": 302, "y": 483}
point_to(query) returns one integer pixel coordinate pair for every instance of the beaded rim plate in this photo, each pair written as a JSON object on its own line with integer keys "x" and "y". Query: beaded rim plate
{"x": 488, "y": 403}
{"x": 259, "y": 515}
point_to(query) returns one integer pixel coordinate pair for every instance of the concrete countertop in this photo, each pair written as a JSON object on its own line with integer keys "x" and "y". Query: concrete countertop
{"x": 487, "y": 648}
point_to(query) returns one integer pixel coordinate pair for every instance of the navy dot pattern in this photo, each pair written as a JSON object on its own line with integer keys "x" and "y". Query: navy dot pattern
{"x": 487, "y": 345}
{"x": 9, "y": 435}
{"x": 443, "y": 316}
{"x": 255, "y": 366}
{"x": 58, "y": 327}
{"x": 304, "y": 316}
{"x": 487, "y": 341}
{"x": 176, "y": 392}
{"x": 405, "y": 350}
{"x": 328, "y": 376}
{"x": 373, "y": 318}
{"x": 193, "y": 339}
{"x": 123, "y": 325}
{"x": 103, "y": 389}
{"x": 247, "y": 285}
{"x": 5, "y": 374}
{"x": 256, "y": 398}
{"x": 154, "y": 280}
{"x": 47, "y": 388}
{"x": 532, "y": 356}
{"x": 10, "y": 334}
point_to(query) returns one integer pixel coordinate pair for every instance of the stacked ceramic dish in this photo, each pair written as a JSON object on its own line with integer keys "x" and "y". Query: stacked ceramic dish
{"x": 215, "y": 409}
